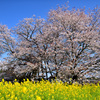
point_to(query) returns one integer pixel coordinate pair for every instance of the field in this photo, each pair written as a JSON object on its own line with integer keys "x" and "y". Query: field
{"x": 45, "y": 90}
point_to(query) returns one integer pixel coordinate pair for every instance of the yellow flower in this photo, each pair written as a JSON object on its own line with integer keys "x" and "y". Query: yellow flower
{"x": 7, "y": 96}
{"x": 3, "y": 80}
{"x": 16, "y": 98}
{"x": 15, "y": 80}
{"x": 38, "y": 98}
{"x": 52, "y": 97}
{"x": 24, "y": 89}
{"x": 45, "y": 89}
{"x": 2, "y": 98}
{"x": 12, "y": 96}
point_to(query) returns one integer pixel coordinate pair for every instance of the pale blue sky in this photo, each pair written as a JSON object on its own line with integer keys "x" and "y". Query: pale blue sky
{"x": 11, "y": 11}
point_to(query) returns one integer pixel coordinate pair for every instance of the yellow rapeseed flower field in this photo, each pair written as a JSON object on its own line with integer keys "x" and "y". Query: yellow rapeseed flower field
{"x": 45, "y": 90}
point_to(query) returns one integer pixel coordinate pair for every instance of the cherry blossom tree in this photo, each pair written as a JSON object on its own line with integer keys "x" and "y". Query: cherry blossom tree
{"x": 74, "y": 40}
{"x": 7, "y": 42}
{"x": 66, "y": 45}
